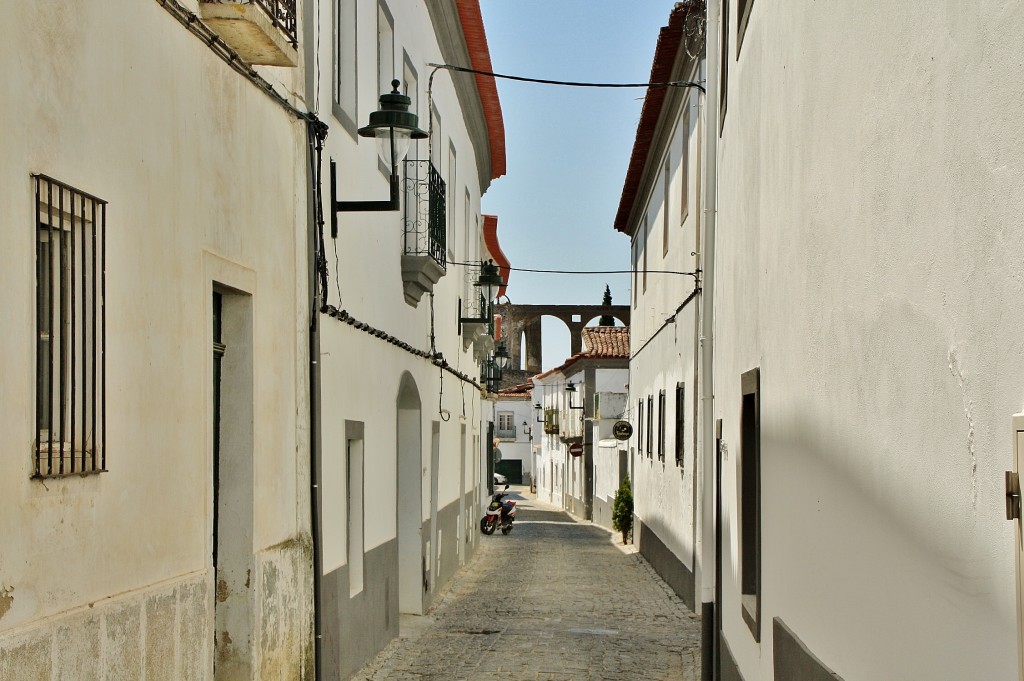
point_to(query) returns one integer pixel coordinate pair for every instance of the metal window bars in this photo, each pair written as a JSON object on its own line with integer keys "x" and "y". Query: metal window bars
{"x": 423, "y": 220}
{"x": 70, "y": 330}
{"x": 282, "y": 14}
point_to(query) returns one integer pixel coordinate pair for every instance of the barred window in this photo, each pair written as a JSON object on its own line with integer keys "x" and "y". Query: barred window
{"x": 661, "y": 425}
{"x": 70, "y": 323}
{"x": 680, "y": 423}
{"x": 650, "y": 426}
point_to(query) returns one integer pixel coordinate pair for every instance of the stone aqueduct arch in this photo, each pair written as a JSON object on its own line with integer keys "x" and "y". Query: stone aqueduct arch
{"x": 519, "y": 319}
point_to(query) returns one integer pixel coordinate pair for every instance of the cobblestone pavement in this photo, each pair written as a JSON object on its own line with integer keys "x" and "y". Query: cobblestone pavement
{"x": 553, "y": 600}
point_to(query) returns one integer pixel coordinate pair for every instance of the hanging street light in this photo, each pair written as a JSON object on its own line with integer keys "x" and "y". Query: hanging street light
{"x": 394, "y": 127}
{"x": 489, "y": 282}
{"x": 501, "y": 357}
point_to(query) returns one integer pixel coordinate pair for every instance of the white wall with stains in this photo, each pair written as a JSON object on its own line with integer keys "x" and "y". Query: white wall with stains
{"x": 205, "y": 179}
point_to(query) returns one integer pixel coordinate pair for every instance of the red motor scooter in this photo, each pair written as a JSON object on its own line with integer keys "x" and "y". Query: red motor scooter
{"x": 499, "y": 513}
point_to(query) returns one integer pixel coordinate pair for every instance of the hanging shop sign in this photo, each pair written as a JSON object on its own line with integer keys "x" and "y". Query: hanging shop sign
{"x": 622, "y": 430}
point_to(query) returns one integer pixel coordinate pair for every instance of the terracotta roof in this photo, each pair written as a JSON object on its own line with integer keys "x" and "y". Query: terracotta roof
{"x": 603, "y": 342}
{"x": 606, "y": 342}
{"x": 480, "y": 59}
{"x": 517, "y": 392}
{"x": 669, "y": 40}
{"x": 494, "y": 248}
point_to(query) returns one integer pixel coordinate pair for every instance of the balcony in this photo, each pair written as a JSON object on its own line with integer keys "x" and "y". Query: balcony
{"x": 423, "y": 226}
{"x": 551, "y": 421}
{"x": 505, "y": 433}
{"x": 261, "y": 31}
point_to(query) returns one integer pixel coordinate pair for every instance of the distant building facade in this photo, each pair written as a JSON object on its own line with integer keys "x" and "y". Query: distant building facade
{"x": 575, "y": 421}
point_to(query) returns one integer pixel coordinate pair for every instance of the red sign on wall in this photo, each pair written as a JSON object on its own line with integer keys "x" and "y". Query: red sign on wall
{"x": 576, "y": 449}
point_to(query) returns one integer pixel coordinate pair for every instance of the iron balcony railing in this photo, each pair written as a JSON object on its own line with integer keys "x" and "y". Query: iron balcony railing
{"x": 282, "y": 14}
{"x": 424, "y": 218}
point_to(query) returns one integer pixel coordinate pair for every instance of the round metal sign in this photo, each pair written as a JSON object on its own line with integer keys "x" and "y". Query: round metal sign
{"x": 622, "y": 430}
{"x": 576, "y": 449}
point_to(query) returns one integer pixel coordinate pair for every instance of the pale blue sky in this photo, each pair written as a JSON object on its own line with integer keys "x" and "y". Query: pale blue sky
{"x": 567, "y": 148}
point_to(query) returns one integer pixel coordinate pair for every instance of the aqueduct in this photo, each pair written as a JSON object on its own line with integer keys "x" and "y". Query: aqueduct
{"x": 525, "y": 319}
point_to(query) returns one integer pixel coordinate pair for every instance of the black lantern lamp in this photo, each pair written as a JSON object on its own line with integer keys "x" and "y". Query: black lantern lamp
{"x": 571, "y": 390}
{"x": 501, "y": 356}
{"x": 394, "y": 127}
{"x": 488, "y": 282}
{"x": 538, "y": 412}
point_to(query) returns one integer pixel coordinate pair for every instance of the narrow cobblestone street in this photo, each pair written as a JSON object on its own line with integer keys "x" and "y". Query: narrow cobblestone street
{"x": 555, "y": 599}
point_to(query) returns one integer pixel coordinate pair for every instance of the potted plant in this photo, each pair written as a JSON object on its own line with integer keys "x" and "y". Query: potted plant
{"x": 622, "y": 510}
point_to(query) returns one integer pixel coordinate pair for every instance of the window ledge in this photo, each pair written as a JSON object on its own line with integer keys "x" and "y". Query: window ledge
{"x": 750, "y": 605}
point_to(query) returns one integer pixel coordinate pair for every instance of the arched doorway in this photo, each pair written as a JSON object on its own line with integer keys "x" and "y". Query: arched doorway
{"x": 409, "y": 433}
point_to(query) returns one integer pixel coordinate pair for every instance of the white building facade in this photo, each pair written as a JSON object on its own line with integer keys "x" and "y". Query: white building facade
{"x": 866, "y": 354}
{"x": 571, "y": 465}
{"x": 404, "y": 427}
{"x": 154, "y": 497}
{"x": 660, "y": 210}
{"x": 514, "y": 430}
{"x": 862, "y": 251}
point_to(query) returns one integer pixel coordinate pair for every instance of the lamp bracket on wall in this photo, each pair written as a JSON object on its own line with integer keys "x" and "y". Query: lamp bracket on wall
{"x": 365, "y": 206}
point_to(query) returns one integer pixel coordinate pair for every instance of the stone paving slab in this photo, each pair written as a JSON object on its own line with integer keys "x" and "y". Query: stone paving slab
{"x": 555, "y": 600}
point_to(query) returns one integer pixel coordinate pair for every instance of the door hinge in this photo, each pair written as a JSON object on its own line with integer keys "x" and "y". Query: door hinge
{"x": 1012, "y": 495}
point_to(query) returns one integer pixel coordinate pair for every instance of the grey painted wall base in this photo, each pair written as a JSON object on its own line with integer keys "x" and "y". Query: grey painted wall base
{"x": 603, "y": 512}
{"x": 357, "y": 627}
{"x": 793, "y": 661}
{"x": 574, "y": 505}
{"x": 667, "y": 564}
{"x": 728, "y": 669}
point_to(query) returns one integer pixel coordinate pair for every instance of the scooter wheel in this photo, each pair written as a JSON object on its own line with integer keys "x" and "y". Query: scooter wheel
{"x": 485, "y": 526}
{"x": 506, "y": 529}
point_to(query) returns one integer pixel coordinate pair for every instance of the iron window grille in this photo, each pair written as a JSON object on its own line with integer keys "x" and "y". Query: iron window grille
{"x": 282, "y": 15}
{"x": 650, "y": 426}
{"x": 70, "y": 330}
{"x": 680, "y": 423}
{"x": 424, "y": 217}
{"x": 640, "y": 426}
{"x": 661, "y": 425}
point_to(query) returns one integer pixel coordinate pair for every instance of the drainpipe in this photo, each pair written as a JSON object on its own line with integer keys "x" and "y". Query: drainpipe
{"x": 709, "y": 616}
{"x": 309, "y": 28}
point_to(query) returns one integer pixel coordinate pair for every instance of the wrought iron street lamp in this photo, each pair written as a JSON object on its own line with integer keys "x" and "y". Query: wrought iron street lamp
{"x": 501, "y": 356}
{"x": 489, "y": 282}
{"x": 394, "y": 127}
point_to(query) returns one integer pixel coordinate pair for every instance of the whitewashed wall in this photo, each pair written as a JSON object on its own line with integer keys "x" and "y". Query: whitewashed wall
{"x": 521, "y": 447}
{"x": 205, "y": 180}
{"x": 870, "y": 250}
{"x": 361, "y": 374}
{"x": 662, "y": 340}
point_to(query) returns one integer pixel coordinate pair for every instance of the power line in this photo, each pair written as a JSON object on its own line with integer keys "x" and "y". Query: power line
{"x": 569, "y": 83}
{"x": 581, "y": 272}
